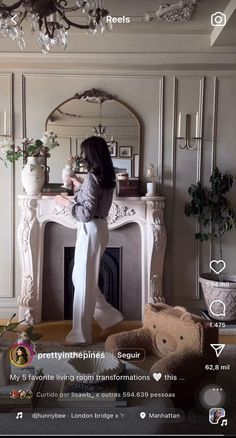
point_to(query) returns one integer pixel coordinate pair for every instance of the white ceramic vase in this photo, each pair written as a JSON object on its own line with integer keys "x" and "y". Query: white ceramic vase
{"x": 151, "y": 189}
{"x": 67, "y": 171}
{"x": 43, "y": 160}
{"x": 5, "y": 367}
{"x": 33, "y": 176}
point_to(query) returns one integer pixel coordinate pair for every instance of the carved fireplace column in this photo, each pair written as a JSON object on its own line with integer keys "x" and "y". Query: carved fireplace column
{"x": 156, "y": 245}
{"x": 148, "y": 213}
{"x": 29, "y": 241}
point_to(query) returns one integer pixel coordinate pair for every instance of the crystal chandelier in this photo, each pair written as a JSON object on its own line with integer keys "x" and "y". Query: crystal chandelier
{"x": 51, "y": 19}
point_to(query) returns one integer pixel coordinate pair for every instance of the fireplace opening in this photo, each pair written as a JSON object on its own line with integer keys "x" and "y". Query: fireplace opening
{"x": 109, "y": 278}
{"x": 127, "y": 275}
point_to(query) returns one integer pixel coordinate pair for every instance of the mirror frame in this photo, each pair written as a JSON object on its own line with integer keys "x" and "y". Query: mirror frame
{"x": 94, "y": 95}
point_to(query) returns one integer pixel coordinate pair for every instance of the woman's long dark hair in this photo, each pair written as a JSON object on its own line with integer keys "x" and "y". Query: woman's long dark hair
{"x": 98, "y": 160}
{"x": 24, "y": 353}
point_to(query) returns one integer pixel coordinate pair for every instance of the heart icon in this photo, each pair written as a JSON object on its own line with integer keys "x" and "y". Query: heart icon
{"x": 157, "y": 376}
{"x": 218, "y": 269}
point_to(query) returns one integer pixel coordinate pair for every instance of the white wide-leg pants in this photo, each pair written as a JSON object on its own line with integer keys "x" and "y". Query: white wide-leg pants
{"x": 89, "y": 302}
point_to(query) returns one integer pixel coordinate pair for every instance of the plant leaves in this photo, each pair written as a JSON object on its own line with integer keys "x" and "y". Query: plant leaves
{"x": 212, "y": 210}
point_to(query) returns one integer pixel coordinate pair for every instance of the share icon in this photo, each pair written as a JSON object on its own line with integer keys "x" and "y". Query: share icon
{"x": 218, "y": 348}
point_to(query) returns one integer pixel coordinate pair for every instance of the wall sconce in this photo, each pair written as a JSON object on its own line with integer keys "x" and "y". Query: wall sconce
{"x": 186, "y": 144}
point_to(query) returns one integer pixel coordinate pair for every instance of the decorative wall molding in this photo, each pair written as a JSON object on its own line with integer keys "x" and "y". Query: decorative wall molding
{"x": 8, "y": 179}
{"x": 181, "y": 11}
{"x": 94, "y": 95}
{"x": 197, "y": 171}
{"x": 214, "y": 125}
{"x": 36, "y": 211}
{"x": 137, "y": 62}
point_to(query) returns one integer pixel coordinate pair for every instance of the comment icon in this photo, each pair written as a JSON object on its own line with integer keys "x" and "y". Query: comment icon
{"x": 217, "y": 308}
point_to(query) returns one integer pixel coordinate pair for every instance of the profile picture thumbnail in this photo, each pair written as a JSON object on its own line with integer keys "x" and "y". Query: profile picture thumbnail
{"x": 21, "y": 355}
{"x": 215, "y": 414}
{"x": 15, "y": 393}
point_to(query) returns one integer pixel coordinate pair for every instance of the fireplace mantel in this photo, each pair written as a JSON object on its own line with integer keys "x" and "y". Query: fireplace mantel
{"x": 36, "y": 211}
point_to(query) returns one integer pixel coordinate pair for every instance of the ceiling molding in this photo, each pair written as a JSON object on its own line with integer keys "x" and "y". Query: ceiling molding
{"x": 181, "y": 11}
{"x": 119, "y": 61}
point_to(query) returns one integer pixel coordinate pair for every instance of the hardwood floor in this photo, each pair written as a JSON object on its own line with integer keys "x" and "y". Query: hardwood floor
{"x": 57, "y": 331}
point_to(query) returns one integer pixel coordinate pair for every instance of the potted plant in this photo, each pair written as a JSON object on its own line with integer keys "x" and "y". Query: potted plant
{"x": 216, "y": 217}
{"x": 151, "y": 181}
{"x": 27, "y": 336}
{"x": 35, "y": 153}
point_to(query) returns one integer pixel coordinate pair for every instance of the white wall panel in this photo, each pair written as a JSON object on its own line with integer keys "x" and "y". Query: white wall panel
{"x": 186, "y": 169}
{"x": 148, "y": 95}
{"x": 225, "y": 155}
{"x": 6, "y": 195}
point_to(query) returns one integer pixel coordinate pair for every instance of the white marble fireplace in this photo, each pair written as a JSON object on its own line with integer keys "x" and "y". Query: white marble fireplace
{"x": 36, "y": 211}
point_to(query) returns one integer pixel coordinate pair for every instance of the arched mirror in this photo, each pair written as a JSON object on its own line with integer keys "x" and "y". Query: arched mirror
{"x": 94, "y": 112}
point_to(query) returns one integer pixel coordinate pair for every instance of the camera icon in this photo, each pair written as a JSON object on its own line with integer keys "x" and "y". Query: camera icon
{"x": 218, "y": 19}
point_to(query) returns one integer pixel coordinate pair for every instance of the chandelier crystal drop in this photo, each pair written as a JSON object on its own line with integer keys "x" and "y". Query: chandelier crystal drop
{"x": 52, "y": 19}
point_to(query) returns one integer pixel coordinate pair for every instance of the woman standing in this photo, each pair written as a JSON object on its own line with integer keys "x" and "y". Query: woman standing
{"x": 91, "y": 205}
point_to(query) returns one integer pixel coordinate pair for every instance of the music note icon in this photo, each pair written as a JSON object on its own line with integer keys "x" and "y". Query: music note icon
{"x": 224, "y": 422}
{"x": 19, "y": 415}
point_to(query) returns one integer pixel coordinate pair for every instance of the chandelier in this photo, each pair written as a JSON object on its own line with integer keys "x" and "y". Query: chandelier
{"x": 52, "y": 19}
{"x": 100, "y": 129}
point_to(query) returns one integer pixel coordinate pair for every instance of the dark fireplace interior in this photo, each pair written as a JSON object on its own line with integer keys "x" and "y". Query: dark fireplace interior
{"x": 109, "y": 278}
{"x": 124, "y": 250}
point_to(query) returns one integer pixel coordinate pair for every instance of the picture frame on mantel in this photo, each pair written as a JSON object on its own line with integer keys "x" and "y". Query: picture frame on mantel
{"x": 125, "y": 152}
{"x": 122, "y": 165}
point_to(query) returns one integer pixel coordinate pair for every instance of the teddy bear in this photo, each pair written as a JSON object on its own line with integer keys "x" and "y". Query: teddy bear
{"x": 181, "y": 343}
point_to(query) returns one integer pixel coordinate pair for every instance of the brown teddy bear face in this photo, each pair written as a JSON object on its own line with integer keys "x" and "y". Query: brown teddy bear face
{"x": 165, "y": 342}
{"x": 171, "y": 329}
